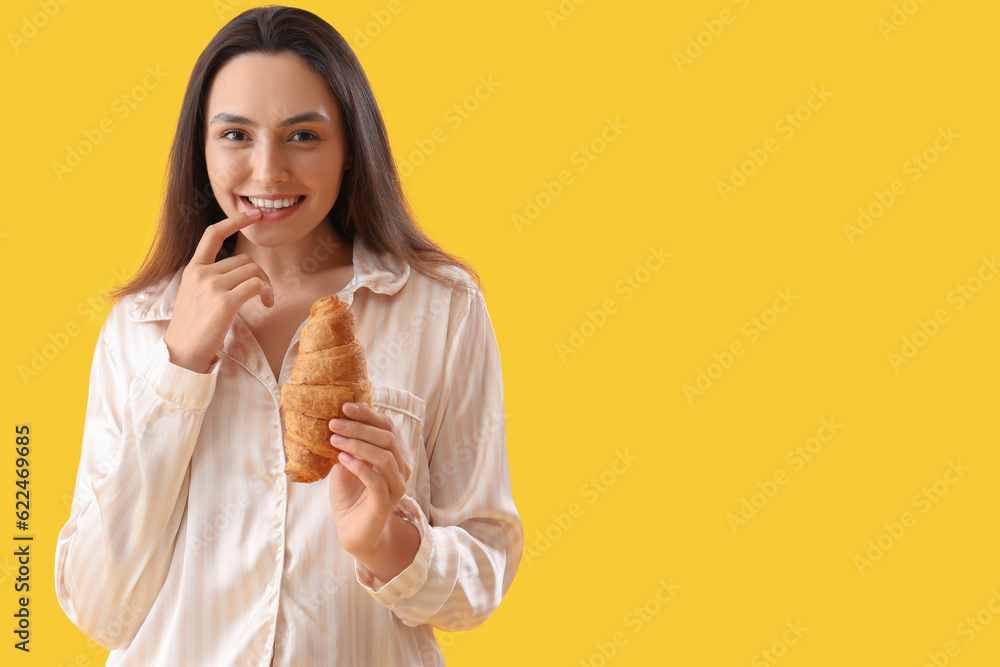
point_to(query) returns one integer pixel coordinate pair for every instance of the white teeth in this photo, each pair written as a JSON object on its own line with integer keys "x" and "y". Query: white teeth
{"x": 273, "y": 204}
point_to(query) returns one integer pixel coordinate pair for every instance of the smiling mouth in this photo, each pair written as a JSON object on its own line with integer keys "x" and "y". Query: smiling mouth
{"x": 272, "y": 205}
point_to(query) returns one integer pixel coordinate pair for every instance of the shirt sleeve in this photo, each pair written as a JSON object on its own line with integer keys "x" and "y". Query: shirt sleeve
{"x": 113, "y": 553}
{"x": 471, "y": 536}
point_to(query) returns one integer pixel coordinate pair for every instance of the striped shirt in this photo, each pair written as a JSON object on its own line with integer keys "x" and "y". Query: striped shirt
{"x": 186, "y": 544}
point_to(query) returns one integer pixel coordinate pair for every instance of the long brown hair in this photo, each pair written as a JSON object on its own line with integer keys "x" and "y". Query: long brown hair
{"x": 371, "y": 200}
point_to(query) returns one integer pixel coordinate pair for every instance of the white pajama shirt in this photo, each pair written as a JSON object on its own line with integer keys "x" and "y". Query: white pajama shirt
{"x": 187, "y": 545}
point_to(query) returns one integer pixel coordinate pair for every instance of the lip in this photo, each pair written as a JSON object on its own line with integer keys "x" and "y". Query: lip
{"x": 280, "y": 214}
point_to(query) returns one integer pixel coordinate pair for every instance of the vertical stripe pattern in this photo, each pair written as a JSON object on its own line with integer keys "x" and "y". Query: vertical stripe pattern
{"x": 186, "y": 544}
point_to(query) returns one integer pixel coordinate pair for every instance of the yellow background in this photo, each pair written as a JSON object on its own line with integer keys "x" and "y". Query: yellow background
{"x": 663, "y": 518}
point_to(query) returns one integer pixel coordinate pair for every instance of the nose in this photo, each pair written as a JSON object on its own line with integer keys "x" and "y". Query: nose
{"x": 270, "y": 165}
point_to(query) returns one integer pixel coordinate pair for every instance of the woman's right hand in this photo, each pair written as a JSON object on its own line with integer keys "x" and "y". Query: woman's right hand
{"x": 210, "y": 295}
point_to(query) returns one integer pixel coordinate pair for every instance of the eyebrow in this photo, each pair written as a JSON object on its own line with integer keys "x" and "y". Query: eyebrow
{"x": 308, "y": 117}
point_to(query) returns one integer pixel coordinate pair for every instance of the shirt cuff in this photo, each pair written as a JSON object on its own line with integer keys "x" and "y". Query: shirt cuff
{"x": 178, "y": 385}
{"x": 410, "y": 580}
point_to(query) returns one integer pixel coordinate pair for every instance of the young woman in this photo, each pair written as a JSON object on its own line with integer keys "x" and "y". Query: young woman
{"x": 186, "y": 543}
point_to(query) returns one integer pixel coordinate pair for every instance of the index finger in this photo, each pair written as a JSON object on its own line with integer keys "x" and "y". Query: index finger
{"x": 366, "y": 415}
{"x": 216, "y": 234}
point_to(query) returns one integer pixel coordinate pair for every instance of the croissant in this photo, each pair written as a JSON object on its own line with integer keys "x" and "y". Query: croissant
{"x": 331, "y": 370}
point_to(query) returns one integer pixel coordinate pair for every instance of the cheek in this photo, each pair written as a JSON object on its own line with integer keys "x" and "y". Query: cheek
{"x": 323, "y": 171}
{"x": 223, "y": 168}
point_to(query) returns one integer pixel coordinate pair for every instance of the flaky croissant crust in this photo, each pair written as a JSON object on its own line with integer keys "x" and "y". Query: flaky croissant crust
{"x": 331, "y": 370}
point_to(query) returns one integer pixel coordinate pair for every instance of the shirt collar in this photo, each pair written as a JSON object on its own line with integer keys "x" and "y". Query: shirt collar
{"x": 380, "y": 272}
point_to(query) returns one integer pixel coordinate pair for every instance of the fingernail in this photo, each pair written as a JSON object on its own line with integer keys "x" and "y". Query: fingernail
{"x": 337, "y": 438}
{"x": 344, "y": 457}
{"x": 350, "y": 408}
{"x": 254, "y": 212}
{"x": 337, "y": 424}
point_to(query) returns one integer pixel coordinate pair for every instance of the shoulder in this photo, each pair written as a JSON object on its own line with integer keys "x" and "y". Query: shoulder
{"x": 455, "y": 288}
{"x": 460, "y": 282}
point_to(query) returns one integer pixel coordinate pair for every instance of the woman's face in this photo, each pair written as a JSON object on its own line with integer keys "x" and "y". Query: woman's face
{"x": 274, "y": 140}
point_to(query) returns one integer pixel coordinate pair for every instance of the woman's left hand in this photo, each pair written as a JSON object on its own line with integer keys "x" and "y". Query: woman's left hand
{"x": 369, "y": 484}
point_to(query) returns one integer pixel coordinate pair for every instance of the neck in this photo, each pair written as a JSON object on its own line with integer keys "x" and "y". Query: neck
{"x": 316, "y": 253}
